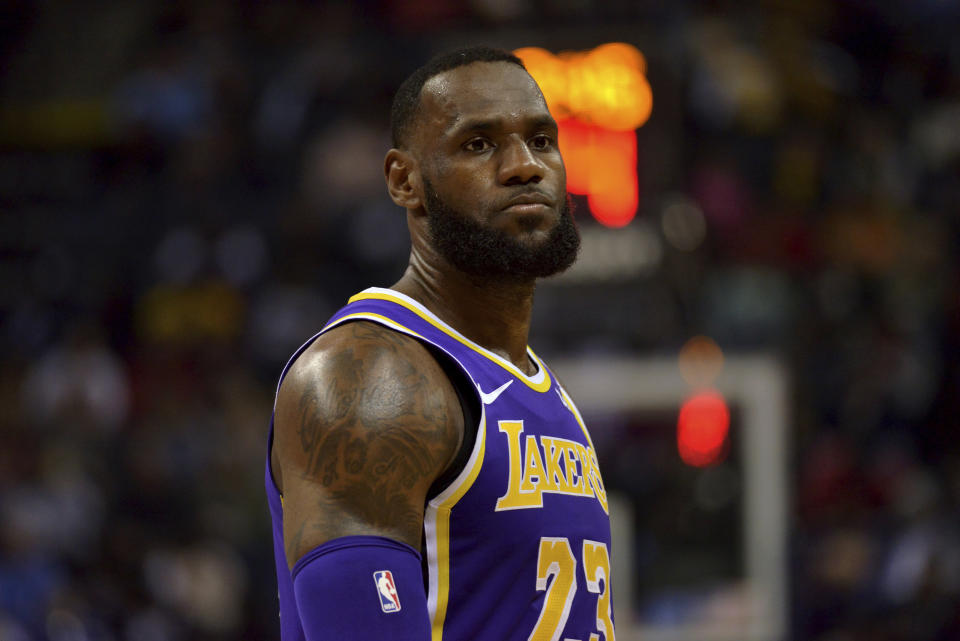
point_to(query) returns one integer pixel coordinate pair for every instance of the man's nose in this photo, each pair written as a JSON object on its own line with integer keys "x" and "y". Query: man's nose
{"x": 519, "y": 164}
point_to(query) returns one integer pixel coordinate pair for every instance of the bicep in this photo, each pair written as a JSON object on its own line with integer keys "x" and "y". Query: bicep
{"x": 366, "y": 420}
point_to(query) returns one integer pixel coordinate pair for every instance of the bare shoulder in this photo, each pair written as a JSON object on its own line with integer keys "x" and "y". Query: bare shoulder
{"x": 366, "y": 420}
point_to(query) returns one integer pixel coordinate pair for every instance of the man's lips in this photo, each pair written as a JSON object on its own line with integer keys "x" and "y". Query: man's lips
{"x": 528, "y": 203}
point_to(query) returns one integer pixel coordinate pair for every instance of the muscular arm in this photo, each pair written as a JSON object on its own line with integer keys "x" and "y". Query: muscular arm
{"x": 366, "y": 420}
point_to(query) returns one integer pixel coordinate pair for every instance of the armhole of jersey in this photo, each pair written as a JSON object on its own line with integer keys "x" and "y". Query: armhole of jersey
{"x": 470, "y": 406}
{"x": 270, "y": 472}
{"x": 472, "y": 413}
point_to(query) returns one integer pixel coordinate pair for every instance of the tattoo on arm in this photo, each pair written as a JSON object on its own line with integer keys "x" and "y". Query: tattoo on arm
{"x": 374, "y": 430}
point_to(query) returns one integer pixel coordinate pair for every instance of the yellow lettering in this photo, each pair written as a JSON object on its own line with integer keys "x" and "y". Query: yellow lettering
{"x": 552, "y": 455}
{"x": 533, "y": 474}
{"x": 514, "y": 498}
{"x": 570, "y": 462}
{"x": 586, "y": 468}
{"x": 597, "y": 481}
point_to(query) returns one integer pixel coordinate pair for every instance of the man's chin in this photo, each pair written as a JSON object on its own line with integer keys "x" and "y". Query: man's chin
{"x": 532, "y": 239}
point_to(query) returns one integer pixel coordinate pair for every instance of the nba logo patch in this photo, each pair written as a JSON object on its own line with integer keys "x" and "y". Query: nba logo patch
{"x": 387, "y": 590}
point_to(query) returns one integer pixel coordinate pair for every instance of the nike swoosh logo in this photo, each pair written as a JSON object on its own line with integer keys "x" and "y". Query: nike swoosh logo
{"x": 489, "y": 397}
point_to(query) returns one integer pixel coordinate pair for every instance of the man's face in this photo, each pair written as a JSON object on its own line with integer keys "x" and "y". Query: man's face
{"x": 494, "y": 181}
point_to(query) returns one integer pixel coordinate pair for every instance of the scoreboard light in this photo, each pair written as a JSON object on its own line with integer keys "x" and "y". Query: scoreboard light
{"x": 601, "y": 165}
{"x": 599, "y": 97}
{"x": 702, "y": 429}
{"x": 606, "y": 86}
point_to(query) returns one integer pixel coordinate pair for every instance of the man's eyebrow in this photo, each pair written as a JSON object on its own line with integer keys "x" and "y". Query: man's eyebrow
{"x": 543, "y": 122}
{"x": 474, "y": 124}
{"x": 490, "y": 124}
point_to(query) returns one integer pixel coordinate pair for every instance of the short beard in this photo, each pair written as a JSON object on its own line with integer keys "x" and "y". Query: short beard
{"x": 491, "y": 255}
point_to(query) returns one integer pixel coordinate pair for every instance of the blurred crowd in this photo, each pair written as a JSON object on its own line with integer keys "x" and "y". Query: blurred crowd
{"x": 188, "y": 190}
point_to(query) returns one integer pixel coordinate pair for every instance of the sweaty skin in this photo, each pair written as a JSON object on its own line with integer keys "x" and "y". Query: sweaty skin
{"x": 366, "y": 418}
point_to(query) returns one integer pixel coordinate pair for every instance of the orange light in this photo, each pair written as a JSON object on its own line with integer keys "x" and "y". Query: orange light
{"x": 702, "y": 429}
{"x": 700, "y": 361}
{"x": 599, "y": 98}
{"x": 601, "y": 164}
{"x": 605, "y": 86}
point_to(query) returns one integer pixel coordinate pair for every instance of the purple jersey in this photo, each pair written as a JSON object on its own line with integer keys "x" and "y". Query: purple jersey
{"x": 518, "y": 545}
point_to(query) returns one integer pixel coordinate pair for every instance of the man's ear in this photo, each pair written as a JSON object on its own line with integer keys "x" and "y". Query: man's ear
{"x": 403, "y": 179}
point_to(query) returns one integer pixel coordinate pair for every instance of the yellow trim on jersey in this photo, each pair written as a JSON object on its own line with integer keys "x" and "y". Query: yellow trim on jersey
{"x": 372, "y": 316}
{"x": 573, "y": 410}
{"x": 599, "y": 487}
{"x": 542, "y": 386}
{"x": 442, "y": 518}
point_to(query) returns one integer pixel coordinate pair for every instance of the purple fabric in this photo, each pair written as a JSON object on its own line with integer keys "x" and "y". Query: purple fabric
{"x": 361, "y": 587}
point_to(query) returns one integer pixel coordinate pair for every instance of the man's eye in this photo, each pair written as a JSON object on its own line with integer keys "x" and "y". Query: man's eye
{"x": 477, "y": 144}
{"x": 542, "y": 141}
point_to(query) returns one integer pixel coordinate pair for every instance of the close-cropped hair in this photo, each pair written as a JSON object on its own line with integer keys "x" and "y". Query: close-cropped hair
{"x": 406, "y": 102}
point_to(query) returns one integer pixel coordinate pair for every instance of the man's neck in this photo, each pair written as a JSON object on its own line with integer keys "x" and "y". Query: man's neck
{"x": 494, "y": 315}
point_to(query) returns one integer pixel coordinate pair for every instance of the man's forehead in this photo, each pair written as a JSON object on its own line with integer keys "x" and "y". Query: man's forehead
{"x": 478, "y": 89}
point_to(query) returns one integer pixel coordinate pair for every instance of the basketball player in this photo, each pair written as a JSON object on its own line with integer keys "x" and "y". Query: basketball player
{"x": 428, "y": 476}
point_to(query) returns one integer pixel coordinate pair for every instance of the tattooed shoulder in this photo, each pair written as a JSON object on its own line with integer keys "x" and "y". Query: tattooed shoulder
{"x": 366, "y": 420}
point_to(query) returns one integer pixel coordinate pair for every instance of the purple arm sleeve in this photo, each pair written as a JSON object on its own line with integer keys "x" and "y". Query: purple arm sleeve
{"x": 361, "y": 587}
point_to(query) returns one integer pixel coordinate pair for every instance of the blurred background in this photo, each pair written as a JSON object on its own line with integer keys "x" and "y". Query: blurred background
{"x": 189, "y": 189}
